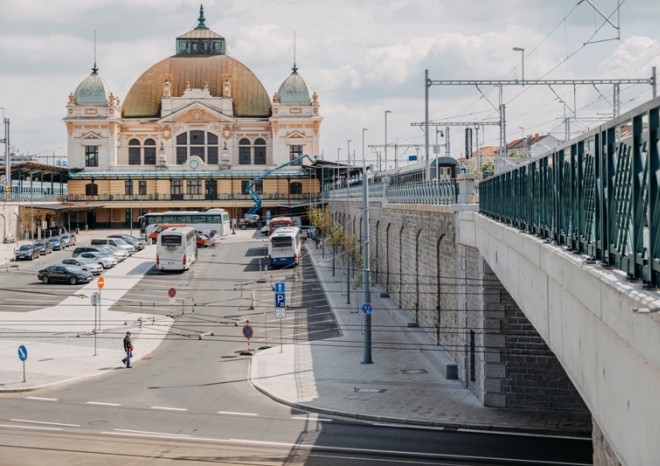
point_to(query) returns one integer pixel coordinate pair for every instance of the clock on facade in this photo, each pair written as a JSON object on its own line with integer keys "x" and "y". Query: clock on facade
{"x": 193, "y": 164}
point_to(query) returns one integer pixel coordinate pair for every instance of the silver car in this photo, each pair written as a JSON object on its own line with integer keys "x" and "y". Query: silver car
{"x": 104, "y": 260}
{"x": 86, "y": 264}
{"x": 119, "y": 254}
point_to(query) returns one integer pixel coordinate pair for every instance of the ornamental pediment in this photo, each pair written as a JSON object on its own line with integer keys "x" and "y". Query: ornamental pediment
{"x": 296, "y": 135}
{"x": 90, "y": 135}
{"x": 196, "y": 113}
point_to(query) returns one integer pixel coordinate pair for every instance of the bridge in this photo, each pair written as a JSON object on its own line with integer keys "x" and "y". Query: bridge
{"x": 544, "y": 295}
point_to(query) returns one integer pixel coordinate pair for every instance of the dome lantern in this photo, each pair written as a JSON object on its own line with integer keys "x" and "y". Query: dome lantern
{"x": 201, "y": 40}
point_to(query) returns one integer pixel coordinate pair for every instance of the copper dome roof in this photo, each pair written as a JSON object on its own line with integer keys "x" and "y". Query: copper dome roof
{"x": 249, "y": 95}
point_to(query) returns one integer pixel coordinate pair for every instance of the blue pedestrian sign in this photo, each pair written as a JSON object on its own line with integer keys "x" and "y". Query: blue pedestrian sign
{"x": 280, "y": 294}
{"x": 22, "y": 353}
{"x": 268, "y": 216}
{"x": 367, "y": 308}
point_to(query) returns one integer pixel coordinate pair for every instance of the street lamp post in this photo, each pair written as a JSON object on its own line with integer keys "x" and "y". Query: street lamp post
{"x": 522, "y": 51}
{"x": 365, "y": 252}
{"x": 385, "y": 155}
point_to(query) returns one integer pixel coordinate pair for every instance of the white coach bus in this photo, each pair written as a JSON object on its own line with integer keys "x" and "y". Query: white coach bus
{"x": 176, "y": 248}
{"x": 284, "y": 247}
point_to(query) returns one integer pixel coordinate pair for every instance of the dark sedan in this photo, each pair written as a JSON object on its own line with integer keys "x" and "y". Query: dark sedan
{"x": 55, "y": 243}
{"x": 27, "y": 251}
{"x": 65, "y": 274}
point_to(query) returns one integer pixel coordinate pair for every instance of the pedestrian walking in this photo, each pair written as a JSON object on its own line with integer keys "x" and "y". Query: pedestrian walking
{"x": 128, "y": 348}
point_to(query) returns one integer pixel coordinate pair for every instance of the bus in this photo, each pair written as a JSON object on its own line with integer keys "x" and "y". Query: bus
{"x": 284, "y": 247}
{"x": 212, "y": 223}
{"x": 176, "y": 248}
{"x": 280, "y": 222}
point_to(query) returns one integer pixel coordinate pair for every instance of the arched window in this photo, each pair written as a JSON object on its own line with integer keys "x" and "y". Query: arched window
{"x": 150, "y": 152}
{"x": 134, "y": 152}
{"x": 244, "y": 149}
{"x": 91, "y": 189}
{"x": 295, "y": 188}
{"x": 198, "y": 143}
{"x": 260, "y": 152}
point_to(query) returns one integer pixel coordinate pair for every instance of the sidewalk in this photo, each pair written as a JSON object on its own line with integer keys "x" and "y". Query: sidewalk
{"x": 400, "y": 386}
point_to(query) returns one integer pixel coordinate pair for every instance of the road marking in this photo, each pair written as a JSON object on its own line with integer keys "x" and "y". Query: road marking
{"x": 166, "y": 408}
{"x": 311, "y": 418}
{"x": 39, "y": 398}
{"x": 144, "y": 432}
{"x": 100, "y": 403}
{"x": 31, "y": 427}
{"x": 46, "y": 423}
{"x": 234, "y": 413}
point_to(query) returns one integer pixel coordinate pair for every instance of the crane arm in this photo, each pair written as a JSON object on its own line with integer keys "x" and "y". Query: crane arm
{"x": 252, "y": 213}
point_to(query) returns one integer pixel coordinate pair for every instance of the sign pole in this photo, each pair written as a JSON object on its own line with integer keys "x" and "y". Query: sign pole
{"x": 96, "y": 308}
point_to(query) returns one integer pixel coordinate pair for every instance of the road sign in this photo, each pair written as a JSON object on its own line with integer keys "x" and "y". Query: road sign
{"x": 171, "y": 292}
{"x": 95, "y": 298}
{"x": 280, "y": 313}
{"x": 280, "y": 294}
{"x": 247, "y": 331}
{"x": 101, "y": 282}
{"x": 268, "y": 216}
{"x": 22, "y": 353}
{"x": 367, "y": 308}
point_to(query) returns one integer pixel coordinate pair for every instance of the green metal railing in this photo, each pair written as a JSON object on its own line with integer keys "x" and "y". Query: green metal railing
{"x": 598, "y": 194}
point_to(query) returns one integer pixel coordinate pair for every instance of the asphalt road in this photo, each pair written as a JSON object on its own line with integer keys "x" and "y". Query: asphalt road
{"x": 191, "y": 401}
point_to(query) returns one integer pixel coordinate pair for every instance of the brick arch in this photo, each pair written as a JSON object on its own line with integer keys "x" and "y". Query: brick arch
{"x": 438, "y": 287}
{"x": 388, "y": 236}
{"x": 401, "y": 231}
{"x": 376, "y": 252}
{"x": 417, "y": 273}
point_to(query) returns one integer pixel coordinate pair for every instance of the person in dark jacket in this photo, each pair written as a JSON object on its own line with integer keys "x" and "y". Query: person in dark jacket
{"x": 128, "y": 348}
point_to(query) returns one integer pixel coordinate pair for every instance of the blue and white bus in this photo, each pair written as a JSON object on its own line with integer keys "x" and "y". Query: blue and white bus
{"x": 176, "y": 248}
{"x": 213, "y": 222}
{"x": 284, "y": 247}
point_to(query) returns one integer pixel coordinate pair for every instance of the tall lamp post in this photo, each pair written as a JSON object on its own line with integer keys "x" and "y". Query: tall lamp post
{"x": 365, "y": 251}
{"x": 522, "y": 51}
{"x": 385, "y": 155}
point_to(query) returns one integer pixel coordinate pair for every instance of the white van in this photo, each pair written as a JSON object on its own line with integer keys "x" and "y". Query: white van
{"x": 116, "y": 242}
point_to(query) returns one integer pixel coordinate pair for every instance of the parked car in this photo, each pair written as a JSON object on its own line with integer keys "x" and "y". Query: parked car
{"x": 120, "y": 254}
{"x": 203, "y": 241}
{"x": 80, "y": 249}
{"x": 55, "y": 243}
{"x": 68, "y": 239}
{"x": 44, "y": 247}
{"x": 138, "y": 243}
{"x": 116, "y": 242}
{"x": 27, "y": 252}
{"x": 100, "y": 258}
{"x": 64, "y": 273}
{"x": 84, "y": 263}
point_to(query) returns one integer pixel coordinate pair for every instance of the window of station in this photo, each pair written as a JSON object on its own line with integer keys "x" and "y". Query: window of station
{"x": 295, "y": 151}
{"x": 142, "y": 188}
{"x": 244, "y": 150}
{"x": 260, "y": 152}
{"x": 91, "y": 189}
{"x": 295, "y": 188}
{"x": 176, "y": 189}
{"x": 128, "y": 187}
{"x": 134, "y": 152}
{"x": 194, "y": 187}
{"x": 91, "y": 156}
{"x": 150, "y": 152}
{"x": 258, "y": 186}
{"x": 199, "y": 143}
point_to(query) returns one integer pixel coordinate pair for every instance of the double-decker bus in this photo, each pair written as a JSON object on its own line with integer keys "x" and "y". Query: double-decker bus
{"x": 212, "y": 223}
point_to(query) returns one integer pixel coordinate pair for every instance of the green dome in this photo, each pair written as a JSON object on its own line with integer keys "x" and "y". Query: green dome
{"x": 93, "y": 90}
{"x": 295, "y": 90}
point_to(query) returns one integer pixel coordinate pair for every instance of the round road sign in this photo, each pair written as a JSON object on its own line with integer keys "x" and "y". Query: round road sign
{"x": 22, "y": 353}
{"x": 367, "y": 308}
{"x": 248, "y": 332}
{"x": 101, "y": 282}
{"x": 171, "y": 292}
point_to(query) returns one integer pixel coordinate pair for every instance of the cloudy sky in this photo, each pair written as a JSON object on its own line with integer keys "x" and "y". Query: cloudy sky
{"x": 361, "y": 57}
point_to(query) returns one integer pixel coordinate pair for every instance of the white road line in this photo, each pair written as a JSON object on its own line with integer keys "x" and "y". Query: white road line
{"x": 45, "y": 423}
{"x": 233, "y": 413}
{"x": 312, "y": 418}
{"x": 166, "y": 408}
{"x": 100, "y": 403}
{"x": 31, "y": 427}
{"x": 153, "y": 433}
{"x": 39, "y": 398}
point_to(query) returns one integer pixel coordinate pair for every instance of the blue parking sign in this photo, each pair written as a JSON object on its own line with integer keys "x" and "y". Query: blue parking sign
{"x": 280, "y": 294}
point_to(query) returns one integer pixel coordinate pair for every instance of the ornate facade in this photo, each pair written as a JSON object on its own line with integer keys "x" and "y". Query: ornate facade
{"x": 192, "y": 132}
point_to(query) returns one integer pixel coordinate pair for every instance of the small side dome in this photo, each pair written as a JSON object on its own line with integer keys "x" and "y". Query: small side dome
{"x": 295, "y": 90}
{"x": 93, "y": 90}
